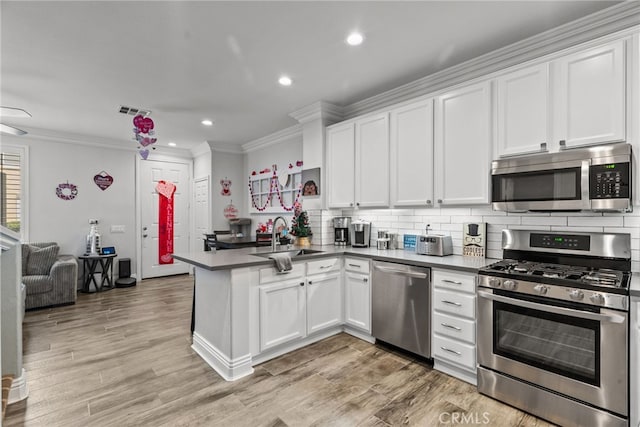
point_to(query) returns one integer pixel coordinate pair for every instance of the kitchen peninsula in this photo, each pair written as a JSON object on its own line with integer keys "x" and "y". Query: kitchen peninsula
{"x": 246, "y": 312}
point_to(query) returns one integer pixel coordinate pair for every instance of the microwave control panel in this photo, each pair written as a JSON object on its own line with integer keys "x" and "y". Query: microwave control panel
{"x": 609, "y": 181}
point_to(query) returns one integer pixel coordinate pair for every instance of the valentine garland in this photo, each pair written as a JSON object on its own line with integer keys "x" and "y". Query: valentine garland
{"x": 166, "y": 190}
{"x": 274, "y": 187}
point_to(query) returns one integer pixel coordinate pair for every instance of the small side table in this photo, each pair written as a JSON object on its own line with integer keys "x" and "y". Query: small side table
{"x": 89, "y": 266}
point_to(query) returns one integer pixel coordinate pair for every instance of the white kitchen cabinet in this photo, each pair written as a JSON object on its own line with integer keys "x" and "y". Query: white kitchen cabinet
{"x": 324, "y": 301}
{"x": 301, "y": 305}
{"x": 590, "y": 96}
{"x": 411, "y": 154}
{"x": 462, "y": 146}
{"x": 358, "y": 163}
{"x": 523, "y": 103}
{"x": 634, "y": 357}
{"x": 341, "y": 152}
{"x": 282, "y": 312}
{"x": 357, "y": 294}
{"x": 453, "y": 322}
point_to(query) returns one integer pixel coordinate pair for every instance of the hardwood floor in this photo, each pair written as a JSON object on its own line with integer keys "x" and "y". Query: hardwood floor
{"x": 123, "y": 358}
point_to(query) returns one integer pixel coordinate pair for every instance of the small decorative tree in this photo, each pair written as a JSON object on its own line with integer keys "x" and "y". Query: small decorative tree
{"x": 300, "y": 223}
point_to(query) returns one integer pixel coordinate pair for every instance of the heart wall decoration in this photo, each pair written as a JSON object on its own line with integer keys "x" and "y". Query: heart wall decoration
{"x": 143, "y": 134}
{"x": 103, "y": 180}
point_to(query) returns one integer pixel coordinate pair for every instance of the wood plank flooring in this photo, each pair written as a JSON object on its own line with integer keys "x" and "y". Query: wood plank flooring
{"x": 123, "y": 358}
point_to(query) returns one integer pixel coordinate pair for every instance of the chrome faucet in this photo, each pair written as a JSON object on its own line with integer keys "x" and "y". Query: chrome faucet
{"x": 273, "y": 232}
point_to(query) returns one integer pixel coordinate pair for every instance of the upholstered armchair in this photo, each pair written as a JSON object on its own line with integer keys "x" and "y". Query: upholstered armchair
{"x": 51, "y": 279}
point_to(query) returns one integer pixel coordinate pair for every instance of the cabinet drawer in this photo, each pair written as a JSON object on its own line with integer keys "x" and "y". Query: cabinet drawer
{"x": 271, "y": 274}
{"x": 463, "y": 282}
{"x": 454, "y": 351}
{"x": 454, "y": 327}
{"x": 324, "y": 265}
{"x": 454, "y": 303}
{"x": 359, "y": 265}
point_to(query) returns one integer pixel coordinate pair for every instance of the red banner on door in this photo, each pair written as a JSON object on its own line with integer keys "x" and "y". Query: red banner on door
{"x": 165, "y": 221}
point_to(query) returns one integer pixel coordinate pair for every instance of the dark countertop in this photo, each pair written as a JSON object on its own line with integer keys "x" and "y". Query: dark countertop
{"x": 249, "y": 257}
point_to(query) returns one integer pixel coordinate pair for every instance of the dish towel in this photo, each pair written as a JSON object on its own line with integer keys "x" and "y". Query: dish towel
{"x": 282, "y": 261}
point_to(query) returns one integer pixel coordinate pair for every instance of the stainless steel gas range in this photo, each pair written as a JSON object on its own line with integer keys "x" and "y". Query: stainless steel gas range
{"x": 553, "y": 320}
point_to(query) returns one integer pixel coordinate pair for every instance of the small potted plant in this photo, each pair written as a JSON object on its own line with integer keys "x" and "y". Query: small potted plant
{"x": 300, "y": 226}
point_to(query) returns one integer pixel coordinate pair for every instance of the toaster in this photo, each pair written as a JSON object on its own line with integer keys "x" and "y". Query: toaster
{"x": 434, "y": 244}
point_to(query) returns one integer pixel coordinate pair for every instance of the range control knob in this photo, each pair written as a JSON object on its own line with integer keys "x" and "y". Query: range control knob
{"x": 541, "y": 289}
{"x": 510, "y": 285}
{"x": 494, "y": 282}
{"x": 597, "y": 299}
{"x": 576, "y": 295}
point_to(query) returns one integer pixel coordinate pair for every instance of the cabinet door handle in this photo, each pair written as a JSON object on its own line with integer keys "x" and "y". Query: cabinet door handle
{"x": 358, "y": 204}
{"x": 451, "y": 351}
{"x": 428, "y": 202}
{"x": 355, "y": 265}
{"x": 446, "y": 325}
{"x": 439, "y": 200}
{"x": 451, "y": 281}
{"x": 310, "y": 282}
{"x": 457, "y": 304}
{"x": 350, "y": 204}
{"x": 365, "y": 279}
{"x": 302, "y": 283}
{"x": 322, "y": 267}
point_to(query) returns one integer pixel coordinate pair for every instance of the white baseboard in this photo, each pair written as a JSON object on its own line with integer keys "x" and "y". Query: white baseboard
{"x": 365, "y": 336}
{"x": 230, "y": 370}
{"x": 294, "y": 345}
{"x": 455, "y": 371}
{"x": 19, "y": 389}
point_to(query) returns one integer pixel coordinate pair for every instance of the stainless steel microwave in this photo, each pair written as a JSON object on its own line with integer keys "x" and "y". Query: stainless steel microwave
{"x": 594, "y": 178}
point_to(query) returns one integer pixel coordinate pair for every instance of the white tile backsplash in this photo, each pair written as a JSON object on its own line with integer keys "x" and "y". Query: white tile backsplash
{"x": 449, "y": 221}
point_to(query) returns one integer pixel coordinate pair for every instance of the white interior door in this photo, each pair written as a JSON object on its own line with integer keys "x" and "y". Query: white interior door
{"x": 202, "y": 208}
{"x": 152, "y": 171}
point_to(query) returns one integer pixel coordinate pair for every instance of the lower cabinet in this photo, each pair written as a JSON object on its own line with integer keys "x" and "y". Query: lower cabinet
{"x": 299, "y": 306}
{"x": 454, "y": 324}
{"x": 324, "y": 302}
{"x": 357, "y": 294}
{"x": 282, "y": 312}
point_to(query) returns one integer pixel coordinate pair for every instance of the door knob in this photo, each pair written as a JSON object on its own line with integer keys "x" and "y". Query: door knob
{"x": 144, "y": 228}
{"x": 144, "y": 235}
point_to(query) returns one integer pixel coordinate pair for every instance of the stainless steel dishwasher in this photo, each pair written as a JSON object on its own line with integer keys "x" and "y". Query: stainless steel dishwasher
{"x": 401, "y": 306}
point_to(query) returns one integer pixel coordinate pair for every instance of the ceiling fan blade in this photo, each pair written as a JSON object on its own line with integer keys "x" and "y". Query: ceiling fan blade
{"x": 11, "y": 130}
{"x": 14, "y": 112}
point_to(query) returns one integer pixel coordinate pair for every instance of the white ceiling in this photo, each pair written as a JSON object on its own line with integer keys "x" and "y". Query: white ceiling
{"x": 72, "y": 64}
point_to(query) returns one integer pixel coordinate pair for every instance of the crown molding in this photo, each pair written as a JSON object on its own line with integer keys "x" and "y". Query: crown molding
{"x": 200, "y": 149}
{"x": 91, "y": 141}
{"x": 225, "y": 148}
{"x": 613, "y": 19}
{"x": 274, "y": 138}
{"x": 319, "y": 110}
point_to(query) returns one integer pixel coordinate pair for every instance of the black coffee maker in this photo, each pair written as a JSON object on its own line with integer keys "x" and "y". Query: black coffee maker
{"x": 341, "y": 230}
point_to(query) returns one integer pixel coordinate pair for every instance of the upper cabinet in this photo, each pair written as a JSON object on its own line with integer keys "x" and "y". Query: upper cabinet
{"x": 341, "y": 153}
{"x": 523, "y": 111}
{"x": 358, "y": 163}
{"x": 580, "y": 102}
{"x": 462, "y": 147}
{"x": 411, "y": 154}
{"x": 590, "y": 96}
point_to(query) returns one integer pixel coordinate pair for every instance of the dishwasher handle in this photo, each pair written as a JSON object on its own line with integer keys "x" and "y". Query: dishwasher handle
{"x": 412, "y": 274}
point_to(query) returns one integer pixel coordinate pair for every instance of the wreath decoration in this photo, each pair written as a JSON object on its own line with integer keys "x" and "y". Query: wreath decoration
{"x": 66, "y": 191}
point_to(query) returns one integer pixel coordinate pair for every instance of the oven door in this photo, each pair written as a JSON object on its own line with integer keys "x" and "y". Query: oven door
{"x": 562, "y": 347}
{"x": 553, "y": 186}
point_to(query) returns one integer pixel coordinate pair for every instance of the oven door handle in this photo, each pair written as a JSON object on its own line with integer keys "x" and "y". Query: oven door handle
{"x": 610, "y": 317}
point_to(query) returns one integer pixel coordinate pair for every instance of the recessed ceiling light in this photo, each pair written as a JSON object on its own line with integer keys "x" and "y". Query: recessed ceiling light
{"x": 207, "y": 122}
{"x": 285, "y": 81}
{"x": 172, "y": 144}
{"x": 355, "y": 39}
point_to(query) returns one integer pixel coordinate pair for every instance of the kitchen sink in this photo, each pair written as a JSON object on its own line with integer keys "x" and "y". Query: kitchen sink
{"x": 293, "y": 253}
